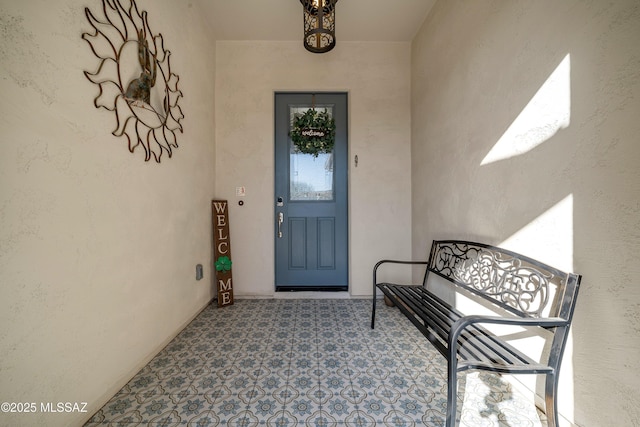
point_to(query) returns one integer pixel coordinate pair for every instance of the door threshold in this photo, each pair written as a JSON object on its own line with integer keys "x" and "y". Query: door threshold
{"x": 312, "y": 288}
{"x": 304, "y": 295}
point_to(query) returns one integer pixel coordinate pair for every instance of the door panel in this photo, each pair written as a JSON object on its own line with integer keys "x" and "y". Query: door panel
{"x": 298, "y": 243}
{"x": 326, "y": 243}
{"x": 311, "y": 194}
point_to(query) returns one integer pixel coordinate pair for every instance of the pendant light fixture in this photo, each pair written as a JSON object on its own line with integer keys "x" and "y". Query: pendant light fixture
{"x": 319, "y": 25}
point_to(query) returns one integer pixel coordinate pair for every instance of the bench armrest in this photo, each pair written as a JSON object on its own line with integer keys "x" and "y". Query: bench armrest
{"x": 461, "y": 324}
{"x": 390, "y": 261}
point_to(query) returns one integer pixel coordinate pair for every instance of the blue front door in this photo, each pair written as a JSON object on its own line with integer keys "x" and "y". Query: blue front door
{"x": 311, "y": 227}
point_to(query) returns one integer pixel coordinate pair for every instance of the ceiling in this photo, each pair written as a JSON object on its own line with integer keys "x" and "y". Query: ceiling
{"x": 356, "y": 20}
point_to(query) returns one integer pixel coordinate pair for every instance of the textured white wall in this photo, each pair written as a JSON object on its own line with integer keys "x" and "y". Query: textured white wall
{"x": 376, "y": 77}
{"x": 525, "y": 134}
{"x": 97, "y": 248}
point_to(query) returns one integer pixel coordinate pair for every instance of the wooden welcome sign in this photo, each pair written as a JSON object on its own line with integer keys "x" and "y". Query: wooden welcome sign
{"x": 222, "y": 252}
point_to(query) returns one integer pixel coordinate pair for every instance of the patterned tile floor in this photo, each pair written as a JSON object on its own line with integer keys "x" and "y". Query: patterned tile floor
{"x": 305, "y": 363}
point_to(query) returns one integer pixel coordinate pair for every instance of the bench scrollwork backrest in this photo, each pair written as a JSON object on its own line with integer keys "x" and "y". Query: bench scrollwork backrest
{"x": 515, "y": 283}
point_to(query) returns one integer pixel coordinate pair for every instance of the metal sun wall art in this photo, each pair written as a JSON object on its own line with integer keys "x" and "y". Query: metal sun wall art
{"x": 134, "y": 79}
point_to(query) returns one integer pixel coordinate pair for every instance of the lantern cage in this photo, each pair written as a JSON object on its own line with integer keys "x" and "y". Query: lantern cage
{"x": 319, "y": 25}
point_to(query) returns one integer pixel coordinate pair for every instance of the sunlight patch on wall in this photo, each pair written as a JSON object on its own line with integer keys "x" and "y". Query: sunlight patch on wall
{"x": 548, "y": 111}
{"x": 549, "y": 239}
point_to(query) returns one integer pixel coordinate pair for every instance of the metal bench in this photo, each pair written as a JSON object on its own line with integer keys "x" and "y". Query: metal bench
{"x": 525, "y": 292}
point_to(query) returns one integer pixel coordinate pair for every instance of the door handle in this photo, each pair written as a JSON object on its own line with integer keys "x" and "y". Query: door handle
{"x": 280, "y": 221}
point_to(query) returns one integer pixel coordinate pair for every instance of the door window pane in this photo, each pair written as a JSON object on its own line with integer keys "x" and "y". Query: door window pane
{"x": 310, "y": 178}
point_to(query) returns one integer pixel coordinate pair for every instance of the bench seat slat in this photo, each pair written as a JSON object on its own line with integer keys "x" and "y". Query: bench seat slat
{"x": 477, "y": 346}
{"x": 432, "y": 316}
{"x": 435, "y": 316}
{"x": 418, "y": 322}
{"x": 440, "y": 317}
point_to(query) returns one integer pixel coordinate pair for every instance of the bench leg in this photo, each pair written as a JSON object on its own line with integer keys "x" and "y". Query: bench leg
{"x": 373, "y": 309}
{"x": 452, "y": 395}
{"x": 550, "y": 400}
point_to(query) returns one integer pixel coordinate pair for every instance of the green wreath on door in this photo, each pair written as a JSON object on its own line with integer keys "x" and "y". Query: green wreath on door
{"x": 313, "y": 132}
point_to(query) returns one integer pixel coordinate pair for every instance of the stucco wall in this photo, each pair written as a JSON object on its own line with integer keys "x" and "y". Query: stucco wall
{"x": 376, "y": 77}
{"x": 525, "y": 134}
{"x": 97, "y": 248}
